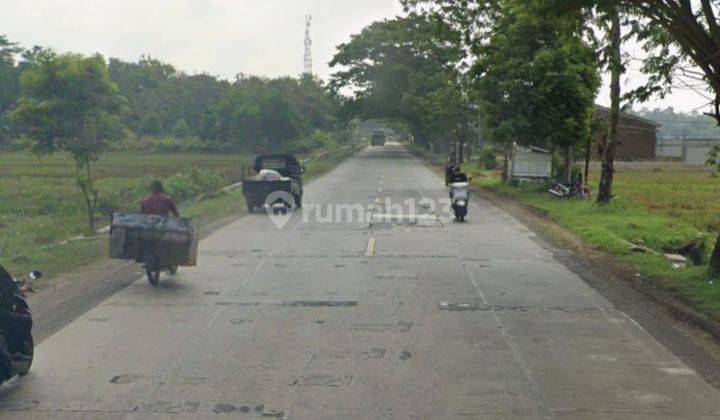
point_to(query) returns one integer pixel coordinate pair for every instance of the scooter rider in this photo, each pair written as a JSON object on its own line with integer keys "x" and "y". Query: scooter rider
{"x": 14, "y": 326}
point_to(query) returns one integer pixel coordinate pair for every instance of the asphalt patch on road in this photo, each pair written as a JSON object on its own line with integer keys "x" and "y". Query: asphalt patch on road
{"x": 474, "y": 306}
{"x": 332, "y": 381}
{"x": 297, "y": 303}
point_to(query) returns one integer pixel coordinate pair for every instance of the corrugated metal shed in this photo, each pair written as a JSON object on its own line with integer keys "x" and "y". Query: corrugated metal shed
{"x": 531, "y": 164}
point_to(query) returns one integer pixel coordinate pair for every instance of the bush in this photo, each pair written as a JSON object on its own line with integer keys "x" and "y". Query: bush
{"x": 16, "y": 145}
{"x": 151, "y": 125}
{"x": 319, "y": 140}
{"x": 188, "y": 185}
{"x": 180, "y": 129}
{"x": 488, "y": 157}
{"x": 132, "y": 143}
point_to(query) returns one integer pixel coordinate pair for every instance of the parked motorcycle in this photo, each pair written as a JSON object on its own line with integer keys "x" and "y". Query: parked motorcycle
{"x": 16, "y": 341}
{"x": 577, "y": 189}
{"x": 460, "y": 196}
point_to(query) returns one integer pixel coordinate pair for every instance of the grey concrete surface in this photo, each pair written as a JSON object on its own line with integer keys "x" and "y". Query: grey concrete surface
{"x": 360, "y": 320}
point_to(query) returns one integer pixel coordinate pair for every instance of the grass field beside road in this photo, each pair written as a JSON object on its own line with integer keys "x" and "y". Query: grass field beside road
{"x": 41, "y": 207}
{"x": 661, "y": 210}
{"x": 693, "y": 197}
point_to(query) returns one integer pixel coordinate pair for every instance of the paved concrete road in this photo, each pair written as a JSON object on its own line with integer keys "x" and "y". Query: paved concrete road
{"x": 359, "y": 320}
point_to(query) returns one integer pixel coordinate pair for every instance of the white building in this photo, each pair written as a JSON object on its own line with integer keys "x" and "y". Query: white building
{"x": 530, "y": 164}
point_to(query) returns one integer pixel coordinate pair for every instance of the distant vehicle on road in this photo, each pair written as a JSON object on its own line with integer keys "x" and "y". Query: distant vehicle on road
{"x": 378, "y": 138}
{"x": 274, "y": 174}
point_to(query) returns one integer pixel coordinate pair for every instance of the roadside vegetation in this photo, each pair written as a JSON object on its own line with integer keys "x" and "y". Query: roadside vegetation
{"x": 82, "y": 136}
{"x": 654, "y": 213}
{"x": 533, "y": 81}
{"x": 42, "y": 217}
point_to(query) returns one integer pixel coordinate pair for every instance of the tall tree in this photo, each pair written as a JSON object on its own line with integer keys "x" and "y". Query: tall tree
{"x": 694, "y": 28}
{"x": 535, "y": 81}
{"x": 406, "y": 69}
{"x": 610, "y": 141}
{"x": 253, "y": 116}
{"x": 9, "y": 84}
{"x": 9, "y": 74}
{"x": 69, "y": 104}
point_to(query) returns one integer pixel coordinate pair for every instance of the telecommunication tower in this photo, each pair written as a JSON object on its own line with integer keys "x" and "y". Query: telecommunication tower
{"x": 308, "y": 46}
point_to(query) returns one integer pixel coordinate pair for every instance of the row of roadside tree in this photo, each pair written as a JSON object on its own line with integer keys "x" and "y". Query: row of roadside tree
{"x": 85, "y": 105}
{"x": 154, "y": 99}
{"x": 527, "y": 72}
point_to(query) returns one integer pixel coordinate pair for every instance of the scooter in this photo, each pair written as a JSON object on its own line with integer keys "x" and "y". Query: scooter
{"x": 460, "y": 196}
{"x": 16, "y": 361}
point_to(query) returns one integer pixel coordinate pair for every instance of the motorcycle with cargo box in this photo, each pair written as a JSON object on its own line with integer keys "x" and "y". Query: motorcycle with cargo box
{"x": 161, "y": 243}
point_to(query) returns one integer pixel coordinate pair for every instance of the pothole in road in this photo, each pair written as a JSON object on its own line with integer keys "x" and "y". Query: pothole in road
{"x": 297, "y": 303}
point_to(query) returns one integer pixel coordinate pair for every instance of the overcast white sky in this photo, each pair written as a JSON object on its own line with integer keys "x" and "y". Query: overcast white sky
{"x": 221, "y": 37}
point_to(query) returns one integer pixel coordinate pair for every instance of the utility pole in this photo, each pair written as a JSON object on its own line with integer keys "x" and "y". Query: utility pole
{"x": 308, "y": 47}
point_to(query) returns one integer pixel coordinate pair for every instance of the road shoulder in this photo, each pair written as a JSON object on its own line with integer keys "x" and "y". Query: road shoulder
{"x": 62, "y": 299}
{"x": 690, "y": 335}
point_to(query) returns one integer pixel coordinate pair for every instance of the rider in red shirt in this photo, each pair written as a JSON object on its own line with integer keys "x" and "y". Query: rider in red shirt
{"x": 158, "y": 203}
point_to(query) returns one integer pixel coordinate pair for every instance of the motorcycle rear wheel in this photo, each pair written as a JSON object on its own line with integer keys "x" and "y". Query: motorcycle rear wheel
{"x": 152, "y": 264}
{"x": 153, "y": 276}
{"x": 29, "y": 351}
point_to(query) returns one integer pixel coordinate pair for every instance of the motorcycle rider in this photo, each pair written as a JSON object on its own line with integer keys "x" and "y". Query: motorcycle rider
{"x": 451, "y": 167}
{"x": 457, "y": 176}
{"x": 14, "y": 327}
{"x": 158, "y": 203}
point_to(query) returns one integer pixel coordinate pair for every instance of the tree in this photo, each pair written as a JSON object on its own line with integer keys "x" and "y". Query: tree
{"x": 150, "y": 125}
{"x": 609, "y": 142}
{"x": 535, "y": 82}
{"x": 9, "y": 74}
{"x": 693, "y": 27}
{"x": 406, "y": 69}
{"x": 158, "y": 95}
{"x": 69, "y": 104}
{"x": 9, "y": 84}
{"x": 180, "y": 129}
{"x": 254, "y": 116}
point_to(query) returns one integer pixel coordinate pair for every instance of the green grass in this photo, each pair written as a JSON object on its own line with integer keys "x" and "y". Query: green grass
{"x": 659, "y": 210}
{"x": 41, "y": 207}
{"x": 693, "y": 197}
